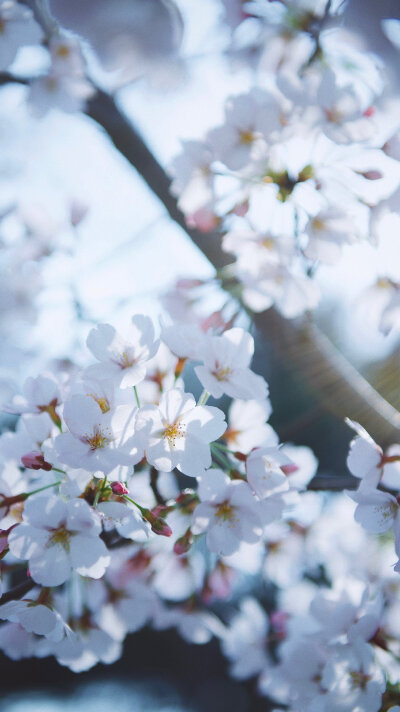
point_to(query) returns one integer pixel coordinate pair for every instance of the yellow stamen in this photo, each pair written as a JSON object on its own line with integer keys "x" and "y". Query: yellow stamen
{"x": 98, "y": 439}
{"x": 221, "y": 374}
{"x": 247, "y": 137}
{"x": 172, "y": 432}
{"x": 226, "y": 513}
{"x": 60, "y": 536}
{"x": 63, "y": 51}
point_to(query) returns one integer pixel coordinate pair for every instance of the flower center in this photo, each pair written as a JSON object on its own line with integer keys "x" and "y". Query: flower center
{"x": 359, "y": 679}
{"x": 318, "y": 224}
{"x": 226, "y": 513}
{"x": 98, "y": 439}
{"x": 126, "y": 360}
{"x": 60, "y": 536}
{"x": 63, "y": 51}
{"x": 268, "y": 243}
{"x": 102, "y": 402}
{"x": 246, "y": 137}
{"x": 221, "y": 374}
{"x": 172, "y": 432}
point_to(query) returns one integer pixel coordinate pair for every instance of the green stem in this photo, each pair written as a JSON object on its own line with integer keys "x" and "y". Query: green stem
{"x": 222, "y": 459}
{"x": 56, "y": 469}
{"x": 136, "y": 396}
{"x": 141, "y": 509}
{"x": 204, "y": 398}
{"x": 99, "y": 492}
{"x": 29, "y": 494}
{"x": 222, "y": 447}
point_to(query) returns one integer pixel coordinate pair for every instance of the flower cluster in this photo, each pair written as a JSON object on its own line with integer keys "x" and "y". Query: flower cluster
{"x": 96, "y": 461}
{"x": 299, "y": 166}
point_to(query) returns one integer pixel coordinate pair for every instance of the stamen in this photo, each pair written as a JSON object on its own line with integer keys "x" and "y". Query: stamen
{"x": 172, "y": 432}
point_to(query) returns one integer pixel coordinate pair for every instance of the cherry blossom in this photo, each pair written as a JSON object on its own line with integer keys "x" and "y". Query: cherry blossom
{"x": 177, "y": 433}
{"x": 226, "y": 367}
{"x": 123, "y": 358}
{"x": 227, "y": 511}
{"x": 57, "y": 536}
{"x": 97, "y": 440}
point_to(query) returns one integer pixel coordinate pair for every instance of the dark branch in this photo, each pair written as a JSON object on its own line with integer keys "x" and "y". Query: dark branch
{"x": 14, "y": 594}
{"x": 8, "y": 78}
{"x": 333, "y": 483}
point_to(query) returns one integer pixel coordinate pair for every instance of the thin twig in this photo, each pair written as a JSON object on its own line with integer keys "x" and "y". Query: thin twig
{"x": 17, "y": 592}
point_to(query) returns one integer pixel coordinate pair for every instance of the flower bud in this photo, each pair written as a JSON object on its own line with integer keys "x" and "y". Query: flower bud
{"x": 289, "y": 469}
{"x": 119, "y": 488}
{"x": 158, "y": 525}
{"x": 35, "y": 461}
{"x": 183, "y": 544}
{"x": 240, "y": 456}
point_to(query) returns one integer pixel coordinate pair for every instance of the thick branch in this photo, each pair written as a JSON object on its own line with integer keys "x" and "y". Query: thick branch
{"x": 337, "y": 384}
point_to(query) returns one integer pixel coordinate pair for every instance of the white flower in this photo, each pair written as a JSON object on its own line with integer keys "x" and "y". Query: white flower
{"x": 184, "y": 340}
{"x": 265, "y": 468}
{"x": 123, "y": 358}
{"x": 228, "y": 512}
{"x": 226, "y": 367}
{"x": 97, "y": 440}
{"x": 245, "y": 641}
{"x": 265, "y": 284}
{"x": 39, "y": 395}
{"x": 193, "y": 178}
{"x": 56, "y": 91}
{"x": 86, "y": 647}
{"x": 353, "y": 680}
{"x": 250, "y": 119}
{"x": 367, "y": 461}
{"x": 58, "y": 536}
{"x": 327, "y": 232}
{"x": 127, "y": 610}
{"x": 31, "y": 432}
{"x": 177, "y": 433}
{"x": 247, "y": 427}
{"x": 34, "y": 617}
{"x": 376, "y": 511}
{"x": 126, "y": 519}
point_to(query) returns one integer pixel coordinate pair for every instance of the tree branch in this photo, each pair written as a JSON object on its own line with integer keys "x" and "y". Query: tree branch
{"x": 338, "y": 385}
{"x": 104, "y": 110}
{"x": 17, "y": 592}
{"x": 8, "y": 78}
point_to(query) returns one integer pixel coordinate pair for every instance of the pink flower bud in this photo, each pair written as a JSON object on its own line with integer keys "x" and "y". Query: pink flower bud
{"x": 158, "y": 525}
{"x": 119, "y": 488}
{"x": 289, "y": 469}
{"x": 203, "y": 220}
{"x": 183, "y": 544}
{"x": 35, "y": 461}
{"x": 241, "y": 209}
